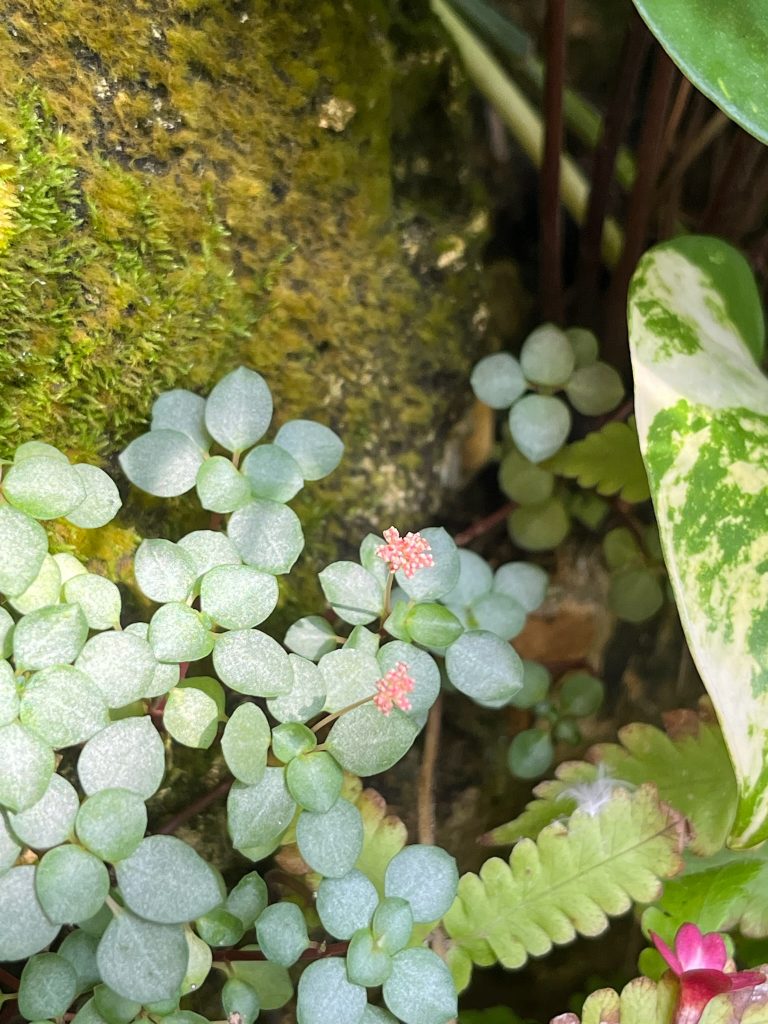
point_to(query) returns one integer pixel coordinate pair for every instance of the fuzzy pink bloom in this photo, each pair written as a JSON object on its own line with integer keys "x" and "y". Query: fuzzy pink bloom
{"x": 408, "y": 553}
{"x": 699, "y": 961}
{"x": 392, "y": 689}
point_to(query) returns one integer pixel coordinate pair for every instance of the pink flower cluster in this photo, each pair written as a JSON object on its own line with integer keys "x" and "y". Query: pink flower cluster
{"x": 392, "y": 689}
{"x": 408, "y": 553}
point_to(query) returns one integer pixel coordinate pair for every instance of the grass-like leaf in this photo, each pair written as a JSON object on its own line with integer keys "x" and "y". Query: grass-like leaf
{"x": 608, "y": 460}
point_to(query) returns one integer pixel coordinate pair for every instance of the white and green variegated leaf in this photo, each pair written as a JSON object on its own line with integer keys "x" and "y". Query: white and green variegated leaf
{"x": 696, "y": 328}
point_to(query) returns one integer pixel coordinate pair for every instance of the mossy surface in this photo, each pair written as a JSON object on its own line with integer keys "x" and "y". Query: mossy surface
{"x": 186, "y": 185}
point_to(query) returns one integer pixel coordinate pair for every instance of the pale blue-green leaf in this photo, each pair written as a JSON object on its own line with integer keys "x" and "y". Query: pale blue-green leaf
{"x": 183, "y": 411}
{"x": 523, "y": 581}
{"x": 273, "y": 473}
{"x": 191, "y": 717}
{"x": 392, "y": 923}
{"x": 475, "y": 579}
{"x": 595, "y": 390}
{"x": 377, "y": 1015}
{"x": 540, "y": 527}
{"x": 346, "y": 904}
{"x": 585, "y": 345}
{"x": 220, "y": 486}
{"x": 143, "y": 960}
{"x": 425, "y": 876}
{"x": 178, "y": 633}
{"x": 163, "y": 463}
{"x": 363, "y": 640}
{"x": 26, "y": 767}
{"x": 166, "y": 881}
{"x": 245, "y": 743}
{"x": 325, "y": 994}
{"x": 49, "y": 636}
{"x": 499, "y": 614}
{"x": 354, "y": 593}
{"x": 111, "y": 823}
{"x": 422, "y": 668}
{"x": 547, "y": 357}
{"x": 267, "y": 536}
{"x": 43, "y": 487}
{"x": 121, "y": 664}
{"x": 48, "y": 987}
{"x": 128, "y": 754}
{"x": 220, "y": 928}
{"x": 238, "y": 596}
{"x": 9, "y": 697}
{"x": 536, "y": 682}
{"x": 306, "y": 697}
{"x": 498, "y": 380}
{"x": 367, "y": 963}
{"x": 702, "y": 416}
{"x": 311, "y": 637}
{"x": 207, "y": 549}
{"x": 331, "y": 841}
{"x": 539, "y": 425}
{"x": 79, "y": 948}
{"x": 36, "y": 449}
{"x": 258, "y": 815}
{"x": 26, "y": 930}
{"x": 164, "y": 571}
{"x": 51, "y": 820}
{"x": 71, "y": 884}
{"x": 23, "y": 546}
{"x": 291, "y": 740}
{"x": 434, "y": 583}
{"x": 635, "y": 595}
{"x": 102, "y": 498}
{"x": 165, "y": 676}
{"x": 239, "y": 409}
{"x": 349, "y": 676}
{"x": 271, "y": 982}
{"x": 484, "y": 667}
{"x": 248, "y": 898}
{"x": 314, "y": 780}
{"x": 10, "y": 848}
{"x": 316, "y": 448}
{"x": 420, "y": 989}
{"x": 69, "y": 566}
{"x": 239, "y": 1000}
{"x": 43, "y": 591}
{"x": 98, "y": 597}
{"x": 370, "y": 560}
{"x": 252, "y": 663}
{"x": 113, "y": 1008}
{"x": 6, "y": 633}
{"x": 433, "y": 625}
{"x": 282, "y": 933}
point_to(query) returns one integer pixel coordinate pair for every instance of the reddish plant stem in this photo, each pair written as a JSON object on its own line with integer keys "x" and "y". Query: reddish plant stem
{"x": 484, "y": 525}
{"x": 426, "y": 791}
{"x": 196, "y": 807}
{"x": 9, "y": 981}
{"x": 633, "y": 55}
{"x": 550, "y": 214}
{"x": 649, "y": 158}
{"x": 324, "y": 950}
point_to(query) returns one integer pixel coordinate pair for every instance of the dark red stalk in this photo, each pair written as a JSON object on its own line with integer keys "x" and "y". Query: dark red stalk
{"x": 234, "y": 955}
{"x": 484, "y": 525}
{"x": 550, "y": 214}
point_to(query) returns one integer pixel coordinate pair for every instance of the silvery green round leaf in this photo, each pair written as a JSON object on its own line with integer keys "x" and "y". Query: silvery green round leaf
{"x": 111, "y": 823}
{"x": 314, "y": 780}
{"x": 307, "y": 696}
{"x": 498, "y": 381}
{"x": 311, "y": 637}
{"x": 475, "y": 579}
{"x": 42, "y": 592}
{"x": 524, "y": 582}
{"x": 191, "y": 717}
{"x": 48, "y": 987}
{"x": 163, "y": 463}
{"x": 315, "y": 447}
{"x": 97, "y": 925}
{"x": 292, "y": 739}
{"x": 346, "y": 904}
{"x": 252, "y": 663}
{"x": 10, "y": 847}
{"x": 539, "y": 527}
{"x": 166, "y": 881}
{"x": 79, "y": 949}
{"x": 51, "y": 820}
{"x": 498, "y": 613}
{"x": 26, "y": 930}
{"x": 212, "y": 688}
{"x": 207, "y": 549}
{"x": 239, "y": 409}
{"x": 49, "y": 636}
{"x": 584, "y": 344}
{"x": 523, "y": 481}
{"x": 178, "y": 633}
{"x": 484, "y": 667}
{"x": 369, "y": 558}
{"x": 271, "y": 982}
{"x": 433, "y": 625}
{"x": 220, "y": 928}
{"x": 199, "y": 965}
{"x": 331, "y": 842}
{"x": 539, "y": 425}
{"x": 367, "y": 964}
{"x": 6, "y": 633}
{"x": 240, "y": 1001}
{"x": 536, "y": 682}
{"x": 363, "y": 640}
{"x": 267, "y": 535}
{"x": 377, "y": 1015}
{"x": 165, "y": 676}
{"x": 113, "y": 1008}
{"x": 349, "y": 676}
{"x": 259, "y": 814}
{"x": 102, "y": 498}
{"x": 142, "y": 960}
{"x": 221, "y": 487}
{"x": 621, "y": 549}
{"x": 422, "y": 668}
{"x": 273, "y": 473}
{"x": 595, "y": 389}
{"x": 9, "y": 698}
{"x": 366, "y": 742}
{"x": 393, "y": 923}
{"x": 43, "y": 487}
{"x": 183, "y": 411}
{"x": 248, "y": 898}
{"x": 69, "y": 566}
{"x": 121, "y": 665}
{"x": 420, "y": 989}
{"x": 164, "y": 571}
{"x": 325, "y": 994}
{"x": 281, "y": 933}
{"x": 547, "y": 356}
{"x": 245, "y": 743}
{"x": 634, "y": 594}
{"x": 238, "y": 596}
{"x": 581, "y": 694}
{"x": 23, "y": 546}
{"x": 26, "y": 767}
{"x": 98, "y": 597}
{"x": 36, "y": 449}
{"x": 530, "y": 753}
{"x": 71, "y": 884}
{"x": 425, "y": 876}
{"x": 128, "y": 754}
{"x": 434, "y": 583}
{"x": 355, "y": 594}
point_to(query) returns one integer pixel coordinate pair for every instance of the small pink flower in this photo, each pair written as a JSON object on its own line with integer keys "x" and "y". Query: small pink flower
{"x": 392, "y": 689}
{"x": 408, "y": 553}
{"x": 699, "y": 961}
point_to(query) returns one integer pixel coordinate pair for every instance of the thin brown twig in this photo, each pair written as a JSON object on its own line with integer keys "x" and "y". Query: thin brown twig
{"x": 8, "y": 980}
{"x": 317, "y": 953}
{"x": 550, "y": 213}
{"x": 426, "y": 791}
{"x": 683, "y": 95}
{"x": 196, "y": 807}
{"x": 689, "y": 152}
{"x": 484, "y": 525}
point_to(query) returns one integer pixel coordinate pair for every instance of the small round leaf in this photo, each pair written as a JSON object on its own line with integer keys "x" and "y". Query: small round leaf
{"x": 484, "y": 667}
{"x": 43, "y": 487}
{"x": 425, "y": 876}
{"x": 252, "y": 663}
{"x": 111, "y": 823}
{"x": 239, "y": 409}
{"x": 26, "y": 767}
{"x": 434, "y": 583}
{"x": 273, "y": 473}
{"x": 331, "y": 842}
{"x": 355, "y": 595}
{"x": 316, "y": 448}
{"x": 325, "y": 994}
{"x": 191, "y": 717}
{"x": 142, "y": 960}
{"x": 63, "y": 706}
{"x": 26, "y": 929}
{"x": 51, "y": 820}
{"x": 258, "y": 815}
{"x": 166, "y": 881}
{"x": 164, "y": 570}
{"x": 282, "y": 933}
{"x": 47, "y": 988}
{"x": 420, "y": 989}
{"x": 245, "y": 743}
{"x": 121, "y": 665}
{"x": 71, "y": 884}
{"x": 365, "y": 741}
{"x": 498, "y": 380}
{"x": 539, "y": 425}
{"x": 49, "y": 636}
{"x": 23, "y": 546}
{"x": 183, "y": 411}
{"x": 163, "y": 463}
{"x": 530, "y": 753}
{"x": 346, "y": 904}
{"x": 267, "y": 536}
{"x": 98, "y": 597}
{"x": 102, "y": 498}
{"x": 221, "y": 487}
{"x": 307, "y": 696}
{"x": 178, "y": 633}
{"x": 238, "y": 596}
{"x": 128, "y": 754}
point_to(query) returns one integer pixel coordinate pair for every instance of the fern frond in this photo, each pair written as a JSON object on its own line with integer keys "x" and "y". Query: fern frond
{"x": 608, "y": 460}
{"x": 567, "y": 882}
